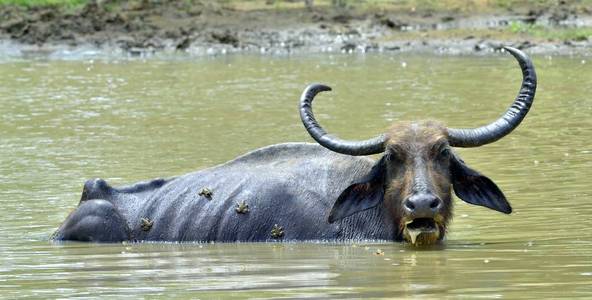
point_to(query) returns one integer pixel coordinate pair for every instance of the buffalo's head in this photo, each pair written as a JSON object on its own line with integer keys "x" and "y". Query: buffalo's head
{"x": 418, "y": 169}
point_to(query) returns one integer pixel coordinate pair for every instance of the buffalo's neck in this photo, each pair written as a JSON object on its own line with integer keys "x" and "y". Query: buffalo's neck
{"x": 373, "y": 224}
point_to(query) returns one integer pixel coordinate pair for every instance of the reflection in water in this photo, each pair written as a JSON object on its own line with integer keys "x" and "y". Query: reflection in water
{"x": 62, "y": 122}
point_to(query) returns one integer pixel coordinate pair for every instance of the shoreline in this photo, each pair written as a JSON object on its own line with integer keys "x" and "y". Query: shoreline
{"x": 9, "y": 50}
{"x": 144, "y": 29}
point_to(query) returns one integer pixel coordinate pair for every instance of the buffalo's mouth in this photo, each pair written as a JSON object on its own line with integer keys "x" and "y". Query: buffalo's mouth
{"x": 421, "y": 231}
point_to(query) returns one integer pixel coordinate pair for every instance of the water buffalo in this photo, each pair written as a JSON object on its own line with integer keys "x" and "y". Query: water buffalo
{"x": 301, "y": 191}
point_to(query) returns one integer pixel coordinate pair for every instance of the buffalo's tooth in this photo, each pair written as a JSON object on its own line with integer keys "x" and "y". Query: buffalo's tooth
{"x": 413, "y": 235}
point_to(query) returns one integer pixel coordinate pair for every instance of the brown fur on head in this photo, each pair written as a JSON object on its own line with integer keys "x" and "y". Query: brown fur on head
{"x": 417, "y": 162}
{"x": 414, "y": 180}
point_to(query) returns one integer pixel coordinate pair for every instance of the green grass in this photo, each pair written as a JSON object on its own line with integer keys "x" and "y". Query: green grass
{"x": 31, "y": 3}
{"x": 564, "y": 34}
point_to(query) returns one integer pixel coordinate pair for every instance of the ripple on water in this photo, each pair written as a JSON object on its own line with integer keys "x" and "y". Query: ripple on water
{"x": 62, "y": 122}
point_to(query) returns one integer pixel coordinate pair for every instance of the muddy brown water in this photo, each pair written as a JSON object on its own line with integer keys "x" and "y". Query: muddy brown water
{"x": 62, "y": 122}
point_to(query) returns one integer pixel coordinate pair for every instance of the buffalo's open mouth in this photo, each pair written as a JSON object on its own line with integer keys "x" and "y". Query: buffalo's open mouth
{"x": 422, "y": 224}
{"x": 425, "y": 228}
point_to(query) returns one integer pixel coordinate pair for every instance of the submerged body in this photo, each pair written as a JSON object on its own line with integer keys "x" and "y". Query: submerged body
{"x": 289, "y": 187}
{"x": 307, "y": 192}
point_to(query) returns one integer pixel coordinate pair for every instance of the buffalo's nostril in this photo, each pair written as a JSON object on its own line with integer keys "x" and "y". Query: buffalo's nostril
{"x": 422, "y": 205}
{"x": 409, "y": 205}
{"x": 435, "y": 203}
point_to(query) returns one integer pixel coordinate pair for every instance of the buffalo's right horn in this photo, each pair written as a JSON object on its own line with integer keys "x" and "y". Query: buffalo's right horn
{"x": 510, "y": 120}
{"x": 367, "y": 147}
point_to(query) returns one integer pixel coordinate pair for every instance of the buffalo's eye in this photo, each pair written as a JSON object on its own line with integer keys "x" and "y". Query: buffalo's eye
{"x": 388, "y": 156}
{"x": 393, "y": 156}
{"x": 444, "y": 153}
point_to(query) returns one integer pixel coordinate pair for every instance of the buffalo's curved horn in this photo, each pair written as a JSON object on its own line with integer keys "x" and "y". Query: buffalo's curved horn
{"x": 510, "y": 120}
{"x": 367, "y": 147}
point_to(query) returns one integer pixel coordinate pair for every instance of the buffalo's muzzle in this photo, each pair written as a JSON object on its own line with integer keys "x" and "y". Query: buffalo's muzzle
{"x": 422, "y": 205}
{"x": 421, "y": 212}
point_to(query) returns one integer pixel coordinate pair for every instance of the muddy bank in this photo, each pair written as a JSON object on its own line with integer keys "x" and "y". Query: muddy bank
{"x": 207, "y": 27}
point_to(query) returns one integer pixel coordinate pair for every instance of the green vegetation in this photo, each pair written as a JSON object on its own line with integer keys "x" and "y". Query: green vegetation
{"x": 31, "y": 3}
{"x": 537, "y": 4}
{"x": 565, "y": 34}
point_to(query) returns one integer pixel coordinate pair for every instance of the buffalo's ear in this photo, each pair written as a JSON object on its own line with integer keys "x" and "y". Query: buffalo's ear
{"x": 362, "y": 195}
{"x": 472, "y": 187}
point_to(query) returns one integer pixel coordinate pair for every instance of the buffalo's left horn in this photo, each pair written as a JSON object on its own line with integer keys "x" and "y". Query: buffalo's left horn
{"x": 510, "y": 120}
{"x": 367, "y": 147}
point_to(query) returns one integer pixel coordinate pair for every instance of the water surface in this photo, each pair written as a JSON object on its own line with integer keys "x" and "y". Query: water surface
{"x": 62, "y": 122}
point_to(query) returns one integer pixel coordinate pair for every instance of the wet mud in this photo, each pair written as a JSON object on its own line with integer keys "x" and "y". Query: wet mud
{"x": 208, "y": 27}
